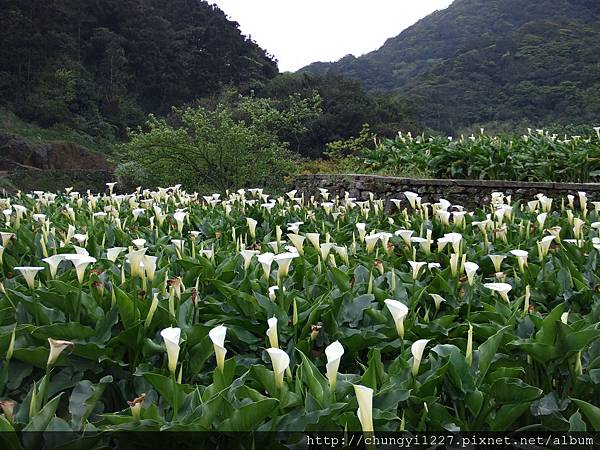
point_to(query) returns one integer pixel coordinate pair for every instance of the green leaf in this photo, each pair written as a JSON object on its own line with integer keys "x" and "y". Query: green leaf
{"x": 250, "y": 416}
{"x": 487, "y": 352}
{"x": 130, "y": 315}
{"x": 39, "y": 422}
{"x": 83, "y": 400}
{"x": 547, "y": 335}
{"x": 506, "y": 416}
{"x": 9, "y": 438}
{"x": 171, "y": 391}
{"x": 576, "y": 422}
{"x": 69, "y": 331}
{"x": 513, "y": 390}
{"x": 591, "y": 412}
{"x": 317, "y": 383}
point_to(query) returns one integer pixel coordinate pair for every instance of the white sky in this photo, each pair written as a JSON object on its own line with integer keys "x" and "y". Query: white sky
{"x": 299, "y": 32}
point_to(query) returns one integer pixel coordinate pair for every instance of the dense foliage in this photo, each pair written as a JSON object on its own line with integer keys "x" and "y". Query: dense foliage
{"x": 167, "y": 310}
{"x": 346, "y": 107}
{"x": 483, "y": 61}
{"x": 233, "y": 145}
{"x": 101, "y": 66}
{"x": 535, "y": 156}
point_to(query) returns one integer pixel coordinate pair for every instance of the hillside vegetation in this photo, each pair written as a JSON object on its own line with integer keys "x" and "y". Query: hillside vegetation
{"x": 99, "y": 67}
{"x": 482, "y": 61}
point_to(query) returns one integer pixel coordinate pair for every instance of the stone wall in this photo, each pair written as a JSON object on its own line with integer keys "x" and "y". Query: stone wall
{"x": 469, "y": 193}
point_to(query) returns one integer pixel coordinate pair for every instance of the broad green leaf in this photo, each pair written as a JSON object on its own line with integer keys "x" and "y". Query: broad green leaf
{"x": 591, "y": 413}
{"x": 248, "y": 417}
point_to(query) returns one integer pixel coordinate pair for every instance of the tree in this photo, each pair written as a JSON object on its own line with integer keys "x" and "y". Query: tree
{"x": 222, "y": 148}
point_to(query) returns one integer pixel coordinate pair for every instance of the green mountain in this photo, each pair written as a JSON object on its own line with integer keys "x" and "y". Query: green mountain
{"x": 482, "y": 61}
{"x": 101, "y": 66}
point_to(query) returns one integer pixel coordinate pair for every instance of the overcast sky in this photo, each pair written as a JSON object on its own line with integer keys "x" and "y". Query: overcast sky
{"x": 299, "y": 32}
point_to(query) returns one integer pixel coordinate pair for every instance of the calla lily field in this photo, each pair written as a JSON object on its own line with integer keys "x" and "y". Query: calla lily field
{"x": 168, "y": 310}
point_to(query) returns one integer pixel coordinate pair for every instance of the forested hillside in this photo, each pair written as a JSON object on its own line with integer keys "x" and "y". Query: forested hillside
{"x": 100, "y": 66}
{"x": 482, "y": 61}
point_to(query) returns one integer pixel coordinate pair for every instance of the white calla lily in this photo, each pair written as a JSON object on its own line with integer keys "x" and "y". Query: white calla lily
{"x": 171, "y": 337}
{"x": 57, "y": 346}
{"x": 217, "y": 336}
{"x": 281, "y": 362}
{"x": 113, "y": 253}
{"x": 501, "y": 288}
{"x": 283, "y": 261}
{"x": 399, "y": 311}
{"x": 334, "y": 353}
{"x": 53, "y": 262}
{"x": 364, "y": 396}
{"x": 266, "y": 260}
{"x": 29, "y": 274}
{"x": 272, "y": 332}
{"x": 417, "y": 349}
{"x": 251, "y": 226}
{"x": 471, "y": 269}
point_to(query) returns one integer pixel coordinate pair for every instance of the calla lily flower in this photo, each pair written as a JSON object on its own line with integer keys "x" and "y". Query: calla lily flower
{"x": 541, "y": 219}
{"x": 272, "y": 293}
{"x": 399, "y": 312}
{"x": 283, "y": 261}
{"x": 438, "y": 300}
{"x": 81, "y": 251}
{"x": 6, "y": 237}
{"x": 179, "y": 217}
{"x": 371, "y": 242}
{"x": 8, "y": 407}
{"x": 150, "y": 266}
{"x": 412, "y": 198}
{"x": 137, "y": 212}
{"x": 334, "y": 353}
{"x": 362, "y": 231}
{"x": 325, "y": 250}
{"x": 136, "y": 406}
{"x": 152, "y": 310}
{"x": 265, "y": 260}
{"x": 417, "y": 350}
{"x": 247, "y": 255}
{"x": 454, "y": 260}
{"x": 281, "y": 362}
{"x": 469, "y": 350}
{"x": 136, "y": 259}
{"x": 272, "y": 332}
{"x": 502, "y": 288}
{"x": 313, "y": 238}
{"x": 497, "y": 261}
{"x": 178, "y": 244}
{"x": 405, "y": 235}
{"x": 53, "y": 262}
{"x": 251, "y": 226}
{"x": 29, "y": 274}
{"x": 171, "y": 338}
{"x": 56, "y": 348}
{"x": 471, "y": 268}
{"x": 544, "y": 246}
{"x": 139, "y": 243}
{"x": 217, "y": 336}
{"x": 521, "y": 258}
{"x": 298, "y": 242}
{"x": 343, "y": 252}
{"x": 364, "y": 396}
{"x": 80, "y": 262}
{"x": 416, "y": 267}
{"x": 113, "y": 253}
